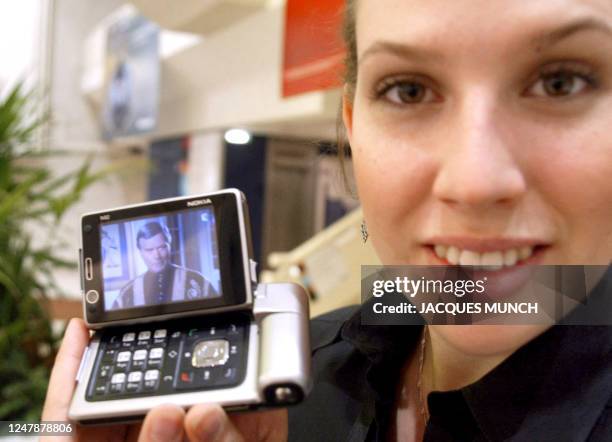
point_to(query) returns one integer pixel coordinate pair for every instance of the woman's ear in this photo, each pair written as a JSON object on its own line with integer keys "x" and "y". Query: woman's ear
{"x": 347, "y": 112}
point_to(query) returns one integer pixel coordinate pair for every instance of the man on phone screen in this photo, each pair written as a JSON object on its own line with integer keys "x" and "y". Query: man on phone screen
{"x": 163, "y": 281}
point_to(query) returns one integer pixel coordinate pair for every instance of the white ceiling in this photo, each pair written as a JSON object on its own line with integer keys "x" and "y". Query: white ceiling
{"x": 200, "y": 16}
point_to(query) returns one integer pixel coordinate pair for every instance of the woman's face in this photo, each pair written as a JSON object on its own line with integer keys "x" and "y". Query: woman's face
{"x": 481, "y": 130}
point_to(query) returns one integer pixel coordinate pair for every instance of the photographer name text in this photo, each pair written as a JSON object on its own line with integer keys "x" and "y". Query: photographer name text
{"x": 463, "y": 308}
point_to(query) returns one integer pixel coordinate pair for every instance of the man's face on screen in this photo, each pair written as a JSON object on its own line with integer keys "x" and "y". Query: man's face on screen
{"x": 155, "y": 252}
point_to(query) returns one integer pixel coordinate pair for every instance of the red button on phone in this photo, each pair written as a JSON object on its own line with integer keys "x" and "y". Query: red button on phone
{"x": 186, "y": 377}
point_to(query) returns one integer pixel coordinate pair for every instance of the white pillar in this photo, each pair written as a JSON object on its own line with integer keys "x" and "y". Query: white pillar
{"x": 206, "y": 162}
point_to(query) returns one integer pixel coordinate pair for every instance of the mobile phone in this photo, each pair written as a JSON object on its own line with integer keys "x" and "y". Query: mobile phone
{"x": 170, "y": 292}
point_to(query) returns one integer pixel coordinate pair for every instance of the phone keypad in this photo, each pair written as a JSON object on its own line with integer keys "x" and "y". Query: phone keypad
{"x": 191, "y": 354}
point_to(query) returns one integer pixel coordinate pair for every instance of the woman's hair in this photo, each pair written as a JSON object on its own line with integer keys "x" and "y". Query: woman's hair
{"x": 349, "y": 35}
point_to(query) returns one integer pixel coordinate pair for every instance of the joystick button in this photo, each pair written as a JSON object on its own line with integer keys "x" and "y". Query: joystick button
{"x": 92, "y": 297}
{"x": 210, "y": 353}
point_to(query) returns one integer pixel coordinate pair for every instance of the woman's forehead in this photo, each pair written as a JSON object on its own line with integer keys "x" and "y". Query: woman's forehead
{"x": 441, "y": 24}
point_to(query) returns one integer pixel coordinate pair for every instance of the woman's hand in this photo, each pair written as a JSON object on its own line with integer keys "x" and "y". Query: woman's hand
{"x": 163, "y": 423}
{"x": 208, "y": 423}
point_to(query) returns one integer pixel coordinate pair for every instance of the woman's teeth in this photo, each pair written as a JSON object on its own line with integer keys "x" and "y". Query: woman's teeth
{"x": 488, "y": 261}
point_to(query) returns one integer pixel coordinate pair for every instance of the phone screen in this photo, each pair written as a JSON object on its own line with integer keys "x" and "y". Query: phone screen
{"x": 160, "y": 259}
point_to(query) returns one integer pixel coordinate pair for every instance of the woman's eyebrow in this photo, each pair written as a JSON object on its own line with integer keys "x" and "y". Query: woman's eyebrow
{"x": 555, "y": 36}
{"x": 539, "y": 42}
{"x": 400, "y": 50}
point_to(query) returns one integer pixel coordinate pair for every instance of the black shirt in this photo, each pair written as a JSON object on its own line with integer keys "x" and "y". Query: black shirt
{"x": 557, "y": 387}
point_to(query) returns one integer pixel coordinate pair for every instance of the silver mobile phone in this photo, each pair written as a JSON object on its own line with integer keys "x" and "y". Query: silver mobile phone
{"x": 170, "y": 289}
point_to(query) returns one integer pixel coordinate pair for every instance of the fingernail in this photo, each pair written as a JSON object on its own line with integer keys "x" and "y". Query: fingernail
{"x": 165, "y": 429}
{"x": 210, "y": 425}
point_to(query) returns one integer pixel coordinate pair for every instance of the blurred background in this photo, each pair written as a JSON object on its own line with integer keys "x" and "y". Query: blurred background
{"x": 109, "y": 103}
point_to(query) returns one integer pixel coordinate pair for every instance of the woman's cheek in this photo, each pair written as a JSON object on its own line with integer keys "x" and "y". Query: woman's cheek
{"x": 573, "y": 180}
{"x": 393, "y": 175}
{"x": 394, "y": 182}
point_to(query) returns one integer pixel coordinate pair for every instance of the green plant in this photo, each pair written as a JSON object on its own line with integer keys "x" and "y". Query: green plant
{"x": 31, "y": 197}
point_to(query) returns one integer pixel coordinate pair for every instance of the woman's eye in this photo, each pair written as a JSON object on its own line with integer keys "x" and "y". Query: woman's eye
{"x": 560, "y": 84}
{"x": 407, "y": 92}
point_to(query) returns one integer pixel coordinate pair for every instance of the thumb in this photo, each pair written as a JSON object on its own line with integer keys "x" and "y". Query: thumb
{"x": 62, "y": 381}
{"x": 209, "y": 423}
{"x": 163, "y": 424}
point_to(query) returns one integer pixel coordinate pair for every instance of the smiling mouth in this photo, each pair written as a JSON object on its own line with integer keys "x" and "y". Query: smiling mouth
{"x": 490, "y": 260}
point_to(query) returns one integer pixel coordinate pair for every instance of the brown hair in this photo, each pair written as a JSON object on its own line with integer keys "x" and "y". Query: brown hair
{"x": 349, "y": 36}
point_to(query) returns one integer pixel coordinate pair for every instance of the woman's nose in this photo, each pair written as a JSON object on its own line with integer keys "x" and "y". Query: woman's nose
{"x": 478, "y": 165}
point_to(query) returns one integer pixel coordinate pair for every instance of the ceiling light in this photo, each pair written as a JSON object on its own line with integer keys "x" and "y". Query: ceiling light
{"x": 237, "y": 136}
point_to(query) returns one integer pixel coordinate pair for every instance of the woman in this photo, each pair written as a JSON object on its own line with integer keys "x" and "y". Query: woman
{"x": 479, "y": 134}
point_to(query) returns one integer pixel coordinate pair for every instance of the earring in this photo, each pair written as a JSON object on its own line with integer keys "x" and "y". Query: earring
{"x": 364, "y": 231}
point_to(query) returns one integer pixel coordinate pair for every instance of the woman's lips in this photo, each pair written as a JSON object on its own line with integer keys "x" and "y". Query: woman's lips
{"x": 501, "y": 283}
{"x": 488, "y": 259}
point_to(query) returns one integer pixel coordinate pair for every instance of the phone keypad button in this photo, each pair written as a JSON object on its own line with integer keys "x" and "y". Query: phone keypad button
{"x": 139, "y": 360}
{"x": 155, "y": 358}
{"x": 206, "y": 376}
{"x": 210, "y": 352}
{"x": 140, "y": 355}
{"x": 135, "y": 376}
{"x": 117, "y": 383}
{"x": 118, "y": 378}
{"x": 134, "y": 381}
{"x": 145, "y": 361}
{"x": 152, "y": 375}
{"x": 123, "y": 361}
{"x": 124, "y": 356}
{"x": 151, "y": 379}
{"x": 160, "y": 334}
{"x": 156, "y": 353}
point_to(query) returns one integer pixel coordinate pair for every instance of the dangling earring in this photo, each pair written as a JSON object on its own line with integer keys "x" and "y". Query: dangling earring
{"x": 364, "y": 231}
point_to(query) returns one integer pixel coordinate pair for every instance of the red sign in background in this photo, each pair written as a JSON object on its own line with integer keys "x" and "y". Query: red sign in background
{"x": 313, "y": 52}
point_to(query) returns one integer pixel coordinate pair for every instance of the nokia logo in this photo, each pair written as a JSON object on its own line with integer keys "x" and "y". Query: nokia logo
{"x": 104, "y": 217}
{"x": 196, "y": 203}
